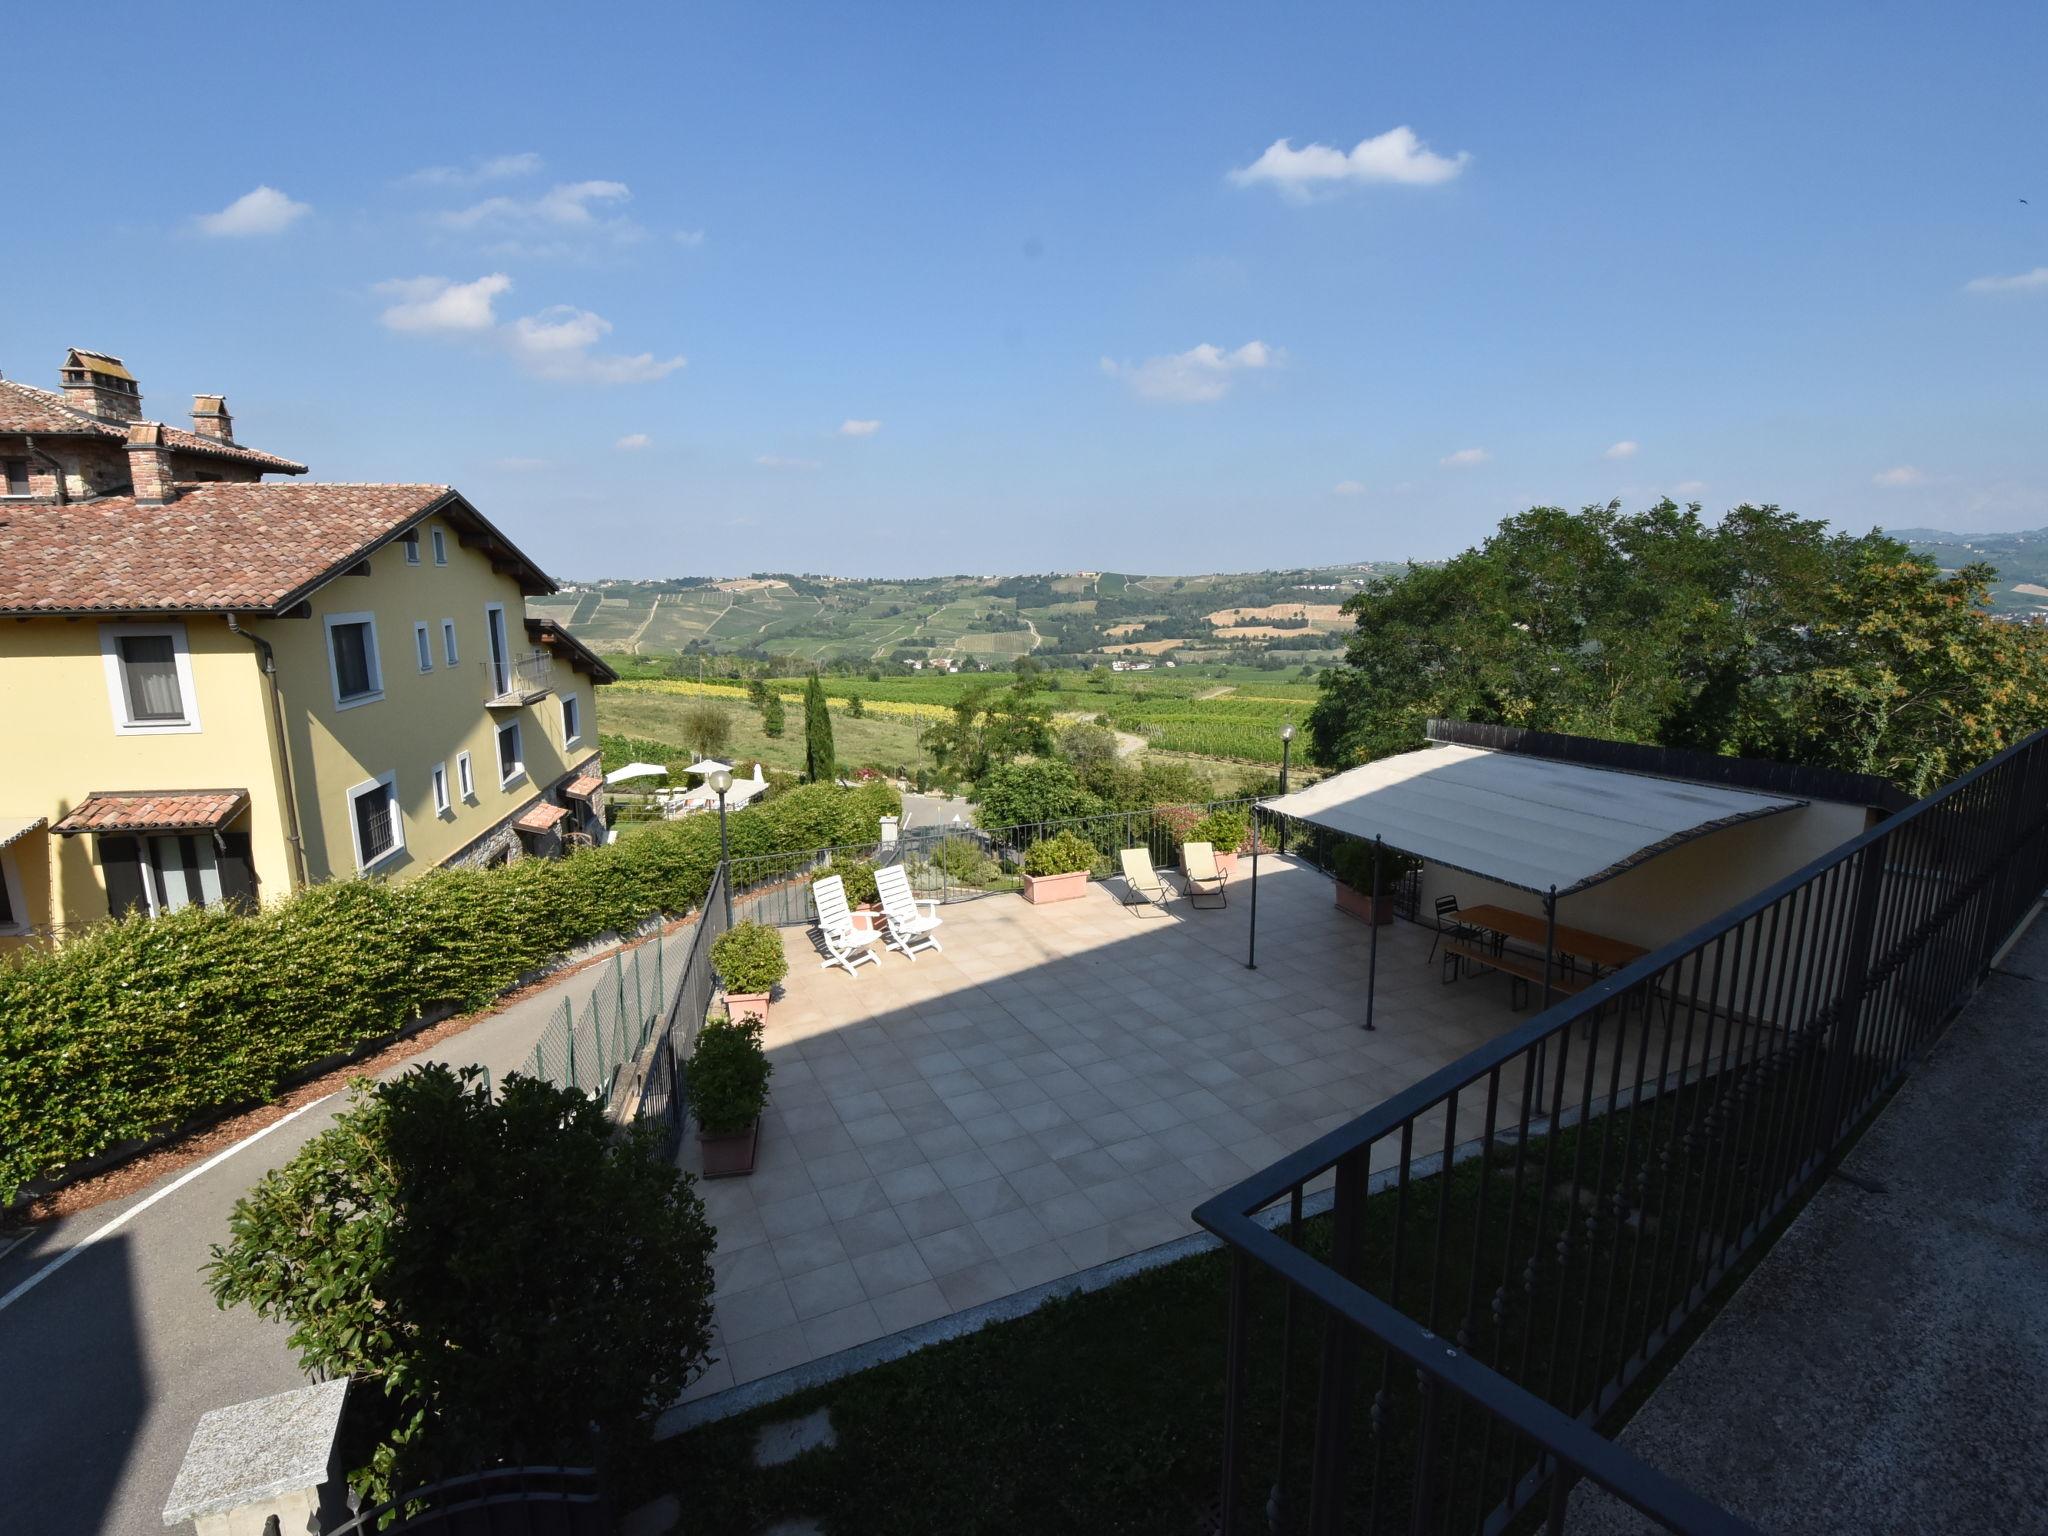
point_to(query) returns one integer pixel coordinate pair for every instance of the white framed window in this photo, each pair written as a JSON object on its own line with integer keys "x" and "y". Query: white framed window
{"x": 572, "y": 719}
{"x": 13, "y": 907}
{"x": 442, "y": 806}
{"x": 511, "y": 760}
{"x": 465, "y": 776}
{"x": 411, "y": 541}
{"x": 424, "y": 646}
{"x": 352, "y": 659}
{"x": 374, "y": 824}
{"x": 448, "y": 642}
{"x": 149, "y": 679}
{"x": 179, "y": 870}
{"x": 440, "y": 547}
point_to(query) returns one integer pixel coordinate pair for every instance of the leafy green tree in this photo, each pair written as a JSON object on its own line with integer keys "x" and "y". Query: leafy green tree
{"x": 820, "y": 761}
{"x": 757, "y": 693}
{"x": 501, "y": 1277}
{"x": 1764, "y": 635}
{"x": 773, "y": 716}
{"x": 1038, "y": 789}
{"x": 706, "y": 728}
{"x": 990, "y": 728}
{"x": 854, "y": 707}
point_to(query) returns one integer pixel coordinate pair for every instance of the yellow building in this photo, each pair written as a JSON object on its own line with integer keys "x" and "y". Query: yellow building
{"x": 222, "y": 689}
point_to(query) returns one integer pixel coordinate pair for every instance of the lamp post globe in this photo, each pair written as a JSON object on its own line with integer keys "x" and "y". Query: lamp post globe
{"x": 1286, "y": 751}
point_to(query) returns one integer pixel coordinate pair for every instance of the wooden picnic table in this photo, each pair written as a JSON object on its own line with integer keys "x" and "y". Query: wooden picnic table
{"x": 1528, "y": 928}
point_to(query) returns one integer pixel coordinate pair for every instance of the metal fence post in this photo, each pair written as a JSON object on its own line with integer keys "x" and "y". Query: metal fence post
{"x": 569, "y": 1018}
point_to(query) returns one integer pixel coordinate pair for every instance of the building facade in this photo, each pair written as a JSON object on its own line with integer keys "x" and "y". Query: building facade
{"x": 225, "y": 688}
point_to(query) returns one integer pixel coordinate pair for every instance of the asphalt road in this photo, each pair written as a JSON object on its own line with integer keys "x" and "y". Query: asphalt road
{"x": 107, "y": 1362}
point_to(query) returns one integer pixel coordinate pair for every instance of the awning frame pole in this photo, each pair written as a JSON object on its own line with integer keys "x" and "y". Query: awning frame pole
{"x": 1372, "y": 964}
{"x": 1251, "y": 952}
{"x": 1549, "y": 940}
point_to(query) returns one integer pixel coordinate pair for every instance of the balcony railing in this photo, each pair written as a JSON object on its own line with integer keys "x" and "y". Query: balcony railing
{"x": 518, "y": 680}
{"x": 1433, "y": 1308}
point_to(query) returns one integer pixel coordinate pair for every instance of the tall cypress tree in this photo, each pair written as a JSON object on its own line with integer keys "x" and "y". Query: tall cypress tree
{"x": 820, "y": 762}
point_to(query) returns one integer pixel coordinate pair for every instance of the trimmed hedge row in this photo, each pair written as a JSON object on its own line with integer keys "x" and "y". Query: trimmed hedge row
{"x": 142, "y": 1025}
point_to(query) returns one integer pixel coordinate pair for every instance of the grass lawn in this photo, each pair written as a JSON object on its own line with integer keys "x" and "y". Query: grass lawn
{"x": 1103, "y": 1413}
{"x": 884, "y": 741}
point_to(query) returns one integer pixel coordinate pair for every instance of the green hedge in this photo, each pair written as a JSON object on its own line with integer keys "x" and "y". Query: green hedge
{"x": 142, "y": 1025}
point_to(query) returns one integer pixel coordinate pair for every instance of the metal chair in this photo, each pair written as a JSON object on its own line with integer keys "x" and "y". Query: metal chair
{"x": 1446, "y": 908}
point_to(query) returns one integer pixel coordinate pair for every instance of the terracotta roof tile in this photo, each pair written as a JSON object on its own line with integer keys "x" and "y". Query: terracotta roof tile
{"x": 182, "y": 441}
{"x": 223, "y": 545}
{"x": 150, "y": 810}
{"x": 583, "y": 788}
{"x": 540, "y": 818}
{"x": 25, "y": 408}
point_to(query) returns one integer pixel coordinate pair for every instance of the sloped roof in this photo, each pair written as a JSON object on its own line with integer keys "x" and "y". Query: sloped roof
{"x": 553, "y": 637}
{"x": 243, "y": 547}
{"x": 1529, "y": 822}
{"x": 25, "y": 408}
{"x": 177, "y": 810}
{"x": 540, "y": 818}
{"x": 14, "y": 828}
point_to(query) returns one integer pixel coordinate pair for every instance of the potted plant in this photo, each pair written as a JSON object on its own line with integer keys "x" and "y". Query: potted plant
{"x": 1226, "y": 830}
{"x": 1056, "y": 868}
{"x": 749, "y": 960}
{"x": 727, "y": 1084}
{"x": 1357, "y": 892}
{"x": 861, "y": 895}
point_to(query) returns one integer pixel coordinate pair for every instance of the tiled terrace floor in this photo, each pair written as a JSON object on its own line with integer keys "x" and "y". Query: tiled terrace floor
{"x": 1059, "y": 1088}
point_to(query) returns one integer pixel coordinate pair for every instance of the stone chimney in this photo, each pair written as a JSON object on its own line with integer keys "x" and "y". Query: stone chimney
{"x": 149, "y": 464}
{"x": 100, "y": 385}
{"x": 210, "y": 418}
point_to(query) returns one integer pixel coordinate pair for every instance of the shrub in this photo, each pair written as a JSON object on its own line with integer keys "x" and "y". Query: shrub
{"x": 1035, "y": 790}
{"x": 142, "y": 1025}
{"x": 1230, "y": 831}
{"x": 859, "y": 876}
{"x": 1065, "y": 853}
{"x": 728, "y": 1077}
{"x": 749, "y": 958}
{"x": 448, "y": 1250}
{"x": 1352, "y": 865}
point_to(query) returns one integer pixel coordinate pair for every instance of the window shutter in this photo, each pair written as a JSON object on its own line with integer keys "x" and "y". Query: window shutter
{"x": 237, "y": 872}
{"x": 121, "y": 865}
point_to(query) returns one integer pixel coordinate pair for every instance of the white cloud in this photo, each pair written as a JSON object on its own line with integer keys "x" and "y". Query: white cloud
{"x": 853, "y": 428}
{"x": 2019, "y": 282}
{"x": 1465, "y": 457}
{"x": 1200, "y": 374}
{"x": 556, "y": 344}
{"x": 1898, "y": 474}
{"x": 689, "y": 237}
{"x": 1396, "y": 156}
{"x": 266, "y": 211}
{"x": 633, "y": 441}
{"x": 436, "y": 304}
{"x": 1688, "y": 487}
{"x": 490, "y": 168}
{"x": 568, "y": 205}
{"x": 777, "y": 461}
{"x": 1625, "y": 449}
{"x": 1348, "y": 488}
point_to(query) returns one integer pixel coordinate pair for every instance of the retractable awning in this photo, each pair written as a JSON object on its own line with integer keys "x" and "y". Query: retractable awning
{"x": 14, "y": 828}
{"x": 1533, "y": 823}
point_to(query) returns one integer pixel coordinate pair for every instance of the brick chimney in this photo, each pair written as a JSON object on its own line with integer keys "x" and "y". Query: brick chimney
{"x": 210, "y": 418}
{"x": 100, "y": 385}
{"x": 149, "y": 464}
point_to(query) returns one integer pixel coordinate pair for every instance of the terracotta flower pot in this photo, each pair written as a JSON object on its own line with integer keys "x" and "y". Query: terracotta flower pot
{"x": 739, "y": 1005}
{"x": 866, "y": 916}
{"x": 731, "y": 1153}
{"x": 1378, "y": 911}
{"x": 1226, "y": 864}
{"x": 1040, "y": 889}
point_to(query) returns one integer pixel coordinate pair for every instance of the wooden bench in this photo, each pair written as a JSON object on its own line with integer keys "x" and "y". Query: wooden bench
{"x": 1521, "y": 970}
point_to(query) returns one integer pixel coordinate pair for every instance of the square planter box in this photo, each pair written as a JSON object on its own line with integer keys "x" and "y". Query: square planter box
{"x": 739, "y": 1005}
{"x": 1377, "y": 911}
{"x": 729, "y": 1155}
{"x": 1043, "y": 888}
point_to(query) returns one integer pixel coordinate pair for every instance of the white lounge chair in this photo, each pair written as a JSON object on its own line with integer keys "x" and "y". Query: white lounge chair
{"x": 1205, "y": 878}
{"x": 909, "y": 930}
{"x": 847, "y": 945}
{"x": 1142, "y": 881}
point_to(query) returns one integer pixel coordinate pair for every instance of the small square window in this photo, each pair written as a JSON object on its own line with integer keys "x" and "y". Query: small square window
{"x": 440, "y": 547}
{"x": 352, "y": 642}
{"x": 441, "y": 804}
{"x": 373, "y": 813}
{"x": 15, "y": 473}
{"x": 412, "y": 548}
{"x": 424, "y": 646}
{"x": 511, "y": 762}
{"x": 149, "y": 678}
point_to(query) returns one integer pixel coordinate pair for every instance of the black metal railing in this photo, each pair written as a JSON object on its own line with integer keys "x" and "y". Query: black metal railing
{"x": 656, "y": 1089}
{"x": 1504, "y": 1249}
{"x": 514, "y": 1501}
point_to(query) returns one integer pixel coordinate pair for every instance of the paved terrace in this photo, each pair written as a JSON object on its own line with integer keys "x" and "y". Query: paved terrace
{"x": 1059, "y": 1088}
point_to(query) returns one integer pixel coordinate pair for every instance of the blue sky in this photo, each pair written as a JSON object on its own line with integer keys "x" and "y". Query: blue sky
{"x": 922, "y": 289}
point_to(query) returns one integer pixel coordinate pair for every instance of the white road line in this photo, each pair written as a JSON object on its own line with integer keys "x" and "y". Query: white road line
{"x": 140, "y": 1206}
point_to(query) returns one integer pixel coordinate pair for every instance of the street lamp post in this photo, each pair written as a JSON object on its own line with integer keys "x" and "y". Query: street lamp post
{"x": 1286, "y": 751}
{"x": 721, "y": 780}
